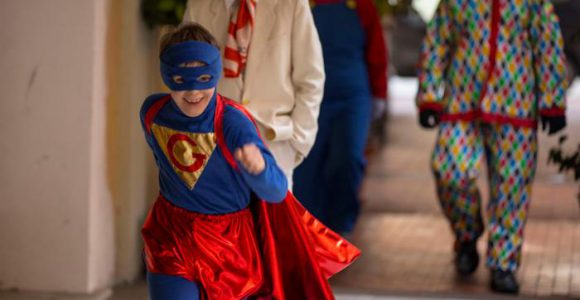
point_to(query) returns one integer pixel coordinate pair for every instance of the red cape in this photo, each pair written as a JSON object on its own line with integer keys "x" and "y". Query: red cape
{"x": 300, "y": 253}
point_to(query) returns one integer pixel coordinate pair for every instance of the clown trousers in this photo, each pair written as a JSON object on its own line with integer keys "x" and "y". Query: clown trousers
{"x": 510, "y": 153}
{"x": 328, "y": 181}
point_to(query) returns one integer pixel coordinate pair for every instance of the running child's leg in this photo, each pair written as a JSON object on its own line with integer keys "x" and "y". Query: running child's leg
{"x": 163, "y": 287}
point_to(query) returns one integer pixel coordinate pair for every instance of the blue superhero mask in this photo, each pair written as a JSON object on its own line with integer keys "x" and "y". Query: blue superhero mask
{"x": 180, "y": 78}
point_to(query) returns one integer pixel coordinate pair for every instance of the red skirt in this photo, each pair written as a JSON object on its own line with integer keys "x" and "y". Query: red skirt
{"x": 287, "y": 255}
{"x": 218, "y": 252}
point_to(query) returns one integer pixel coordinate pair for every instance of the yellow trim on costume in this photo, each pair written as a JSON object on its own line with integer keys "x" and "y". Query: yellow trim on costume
{"x": 351, "y": 4}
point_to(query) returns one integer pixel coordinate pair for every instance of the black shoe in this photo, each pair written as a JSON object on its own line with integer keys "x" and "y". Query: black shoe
{"x": 466, "y": 258}
{"x": 504, "y": 282}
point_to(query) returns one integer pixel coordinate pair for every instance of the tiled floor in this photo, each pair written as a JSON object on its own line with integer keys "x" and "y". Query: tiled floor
{"x": 407, "y": 253}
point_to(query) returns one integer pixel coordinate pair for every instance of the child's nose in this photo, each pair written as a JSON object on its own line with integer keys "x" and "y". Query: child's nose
{"x": 191, "y": 93}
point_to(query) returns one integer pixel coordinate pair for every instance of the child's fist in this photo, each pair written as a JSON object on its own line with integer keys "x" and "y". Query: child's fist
{"x": 251, "y": 158}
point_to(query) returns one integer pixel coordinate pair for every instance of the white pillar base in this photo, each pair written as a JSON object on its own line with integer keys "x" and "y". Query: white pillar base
{"x": 100, "y": 295}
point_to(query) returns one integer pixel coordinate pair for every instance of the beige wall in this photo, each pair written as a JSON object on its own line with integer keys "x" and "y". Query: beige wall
{"x": 55, "y": 217}
{"x": 74, "y": 172}
{"x": 132, "y": 67}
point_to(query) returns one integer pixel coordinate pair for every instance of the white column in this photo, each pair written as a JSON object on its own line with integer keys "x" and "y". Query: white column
{"x": 56, "y": 218}
{"x": 133, "y": 70}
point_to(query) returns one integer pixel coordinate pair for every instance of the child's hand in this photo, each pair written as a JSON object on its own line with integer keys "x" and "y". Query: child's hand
{"x": 251, "y": 158}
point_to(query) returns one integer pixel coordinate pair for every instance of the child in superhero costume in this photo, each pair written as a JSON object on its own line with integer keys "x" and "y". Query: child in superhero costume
{"x": 490, "y": 70}
{"x": 205, "y": 238}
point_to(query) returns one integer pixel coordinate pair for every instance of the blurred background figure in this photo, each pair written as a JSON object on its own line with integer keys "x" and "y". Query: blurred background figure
{"x": 272, "y": 65}
{"x": 403, "y": 28}
{"x": 355, "y": 60}
{"x": 568, "y": 12}
{"x": 489, "y": 72}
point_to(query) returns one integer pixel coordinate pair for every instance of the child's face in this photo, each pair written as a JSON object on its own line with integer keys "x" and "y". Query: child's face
{"x": 193, "y": 102}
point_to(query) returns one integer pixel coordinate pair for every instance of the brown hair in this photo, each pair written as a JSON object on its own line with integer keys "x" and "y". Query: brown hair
{"x": 187, "y": 32}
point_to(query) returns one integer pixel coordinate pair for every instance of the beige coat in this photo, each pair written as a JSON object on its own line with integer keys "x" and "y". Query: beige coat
{"x": 284, "y": 78}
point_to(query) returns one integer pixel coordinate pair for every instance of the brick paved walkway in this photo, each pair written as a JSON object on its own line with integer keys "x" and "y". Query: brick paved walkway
{"x": 412, "y": 254}
{"x": 406, "y": 242}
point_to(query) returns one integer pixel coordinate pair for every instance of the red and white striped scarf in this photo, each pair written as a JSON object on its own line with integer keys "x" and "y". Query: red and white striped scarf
{"x": 239, "y": 36}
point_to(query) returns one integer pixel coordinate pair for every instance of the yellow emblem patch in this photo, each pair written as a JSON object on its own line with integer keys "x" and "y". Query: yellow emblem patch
{"x": 351, "y": 4}
{"x": 187, "y": 152}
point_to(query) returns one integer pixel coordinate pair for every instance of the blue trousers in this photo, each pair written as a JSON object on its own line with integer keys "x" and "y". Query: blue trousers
{"x": 166, "y": 287}
{"x": 329, "y": 180}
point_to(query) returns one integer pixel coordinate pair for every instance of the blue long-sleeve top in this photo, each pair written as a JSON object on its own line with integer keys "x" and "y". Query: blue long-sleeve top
{"x": 193, "y": 173}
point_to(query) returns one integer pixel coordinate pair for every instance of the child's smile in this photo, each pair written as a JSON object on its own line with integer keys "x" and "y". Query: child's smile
{"x": 192, "y": 103}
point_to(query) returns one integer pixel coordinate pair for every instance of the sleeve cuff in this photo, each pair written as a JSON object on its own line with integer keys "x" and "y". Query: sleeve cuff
{"x": 430, "y": 106}
{"x": 380, "y": 93}
{"x": 553, "y": 112}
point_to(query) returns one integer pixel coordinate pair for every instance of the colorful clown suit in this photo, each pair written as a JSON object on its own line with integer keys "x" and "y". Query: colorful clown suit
{"x": 490, "y": 69}
{"x": 355, "y": 61}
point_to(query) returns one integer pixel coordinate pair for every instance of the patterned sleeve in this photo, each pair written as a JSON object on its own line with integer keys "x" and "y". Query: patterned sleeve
{"x": 549, "y": 59}
{"x": 435, "y": 57}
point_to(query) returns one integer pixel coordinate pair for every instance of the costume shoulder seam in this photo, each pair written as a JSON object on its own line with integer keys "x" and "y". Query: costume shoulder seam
{"x": 150, "y": 108}
{"x": 150, "y": 101}
{"x": 232, "y": 115}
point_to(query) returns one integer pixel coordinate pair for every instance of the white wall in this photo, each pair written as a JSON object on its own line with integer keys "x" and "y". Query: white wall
{"x": 132, "y": 70}
{"x": 56, "y": 219}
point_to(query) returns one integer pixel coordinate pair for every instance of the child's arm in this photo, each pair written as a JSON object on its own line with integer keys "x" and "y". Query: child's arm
{"x": 145, "y": 110}
{"x": 146, "y": 107}
{"x": 251, "y": 158}
{"x": 256, "y": 164}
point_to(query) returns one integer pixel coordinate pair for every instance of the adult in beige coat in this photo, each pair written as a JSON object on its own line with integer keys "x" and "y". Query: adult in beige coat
{"x": 283, "y": 80}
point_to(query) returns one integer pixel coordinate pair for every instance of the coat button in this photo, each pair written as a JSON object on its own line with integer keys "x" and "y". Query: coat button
{"x": 270, "y": 134}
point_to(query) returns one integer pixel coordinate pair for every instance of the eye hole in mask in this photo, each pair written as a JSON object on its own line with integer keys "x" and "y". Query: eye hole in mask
{"x": 177, "y": 79}
{"x": 204, "y": 78}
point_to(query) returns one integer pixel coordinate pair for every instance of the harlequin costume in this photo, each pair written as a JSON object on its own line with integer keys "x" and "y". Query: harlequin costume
{"x": 355, "y": 62}
{"x": 202, "y": 231}
{"x": 491, "y": 69}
